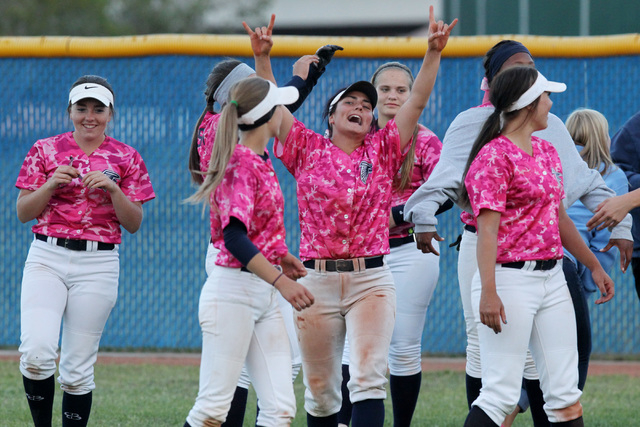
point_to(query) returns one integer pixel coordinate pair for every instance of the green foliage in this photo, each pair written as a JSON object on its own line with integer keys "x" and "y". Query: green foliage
{"x": 53, "y": 17}
{"x": 159, "y": 395}
{"x": 125, "y": 17}
{"x": 161, "y": 16}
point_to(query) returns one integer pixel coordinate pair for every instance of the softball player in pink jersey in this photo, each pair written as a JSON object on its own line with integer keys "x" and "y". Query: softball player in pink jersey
{"x": 238, "y": 311}
{"x": 80, "y": 187}
{"x": 306, "y": 72}
{"x": 415, "y": 274}
{"x": 344, "y": 198}
{"x": 513, "y": 181}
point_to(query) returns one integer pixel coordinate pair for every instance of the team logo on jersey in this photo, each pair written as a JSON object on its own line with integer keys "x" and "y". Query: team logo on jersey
{"x": 111, "y": 175}
{"x": 365, "y": 171}
{"x": 558, "y": 176}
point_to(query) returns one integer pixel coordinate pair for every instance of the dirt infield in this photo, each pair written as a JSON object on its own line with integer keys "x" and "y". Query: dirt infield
{"x": 429, "y": 364}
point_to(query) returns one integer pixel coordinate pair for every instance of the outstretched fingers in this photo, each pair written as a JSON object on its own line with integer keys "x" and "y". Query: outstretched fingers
{"x": 247, "y": 28}
{"x": 439, "y": 31}
{"x": 272, "y": 21}
{"x": 263, "y": 31}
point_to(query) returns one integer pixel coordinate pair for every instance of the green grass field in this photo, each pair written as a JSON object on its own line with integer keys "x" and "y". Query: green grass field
{"x": 160, "y": 395}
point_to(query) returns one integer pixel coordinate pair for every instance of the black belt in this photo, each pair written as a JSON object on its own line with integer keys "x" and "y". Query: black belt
{"x": 345, "y": 265}
{"x": 471, "y": 228}
{"x": 546, "y": 264}
{"x": 76, "y": 245}
{"x": 399, "y": 241}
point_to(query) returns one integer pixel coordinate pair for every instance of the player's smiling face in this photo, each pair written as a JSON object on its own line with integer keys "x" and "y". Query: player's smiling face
{"x": 393, "y": 87}
{"x": 353, "y": 114}
{"x": 90, "y": 118}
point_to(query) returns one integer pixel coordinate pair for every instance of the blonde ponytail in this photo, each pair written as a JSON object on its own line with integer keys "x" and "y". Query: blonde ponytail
{"x": 244, "y": 96}
{"x": 223, "y": 147}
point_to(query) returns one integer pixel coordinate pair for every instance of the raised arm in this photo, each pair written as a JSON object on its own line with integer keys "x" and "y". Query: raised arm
{"x": 409, "y": 113}
{"x": 261, "y": 44}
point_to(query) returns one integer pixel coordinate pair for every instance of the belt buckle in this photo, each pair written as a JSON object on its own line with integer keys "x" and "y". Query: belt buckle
{"x": 74, "y": 245}
{"x": 344, "y": 265}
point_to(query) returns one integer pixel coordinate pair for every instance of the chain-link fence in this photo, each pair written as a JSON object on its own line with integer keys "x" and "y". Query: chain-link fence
{"x": 158, "y": 100}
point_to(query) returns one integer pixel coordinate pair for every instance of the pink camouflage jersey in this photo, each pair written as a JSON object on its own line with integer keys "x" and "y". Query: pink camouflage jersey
{"x": 206, "y": 137}
{"x": 74, "y": 211}
{"x": 343, "y": 199}
{"x": 526, "y": 190}
{"x": 250, "y": 192}
{"x": 428, "y": 148}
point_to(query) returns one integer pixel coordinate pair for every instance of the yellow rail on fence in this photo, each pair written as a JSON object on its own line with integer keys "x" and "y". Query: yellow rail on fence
{"x": 369, "y": 47}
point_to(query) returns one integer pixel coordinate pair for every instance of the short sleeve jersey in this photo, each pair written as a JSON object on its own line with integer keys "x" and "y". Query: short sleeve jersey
{"x": 250, "y": 192}
{"x": 427, "y": 154}
{"x": 74, "y": 211}
{"x": 343, "y": 199}
{"x": 526, "y": 190}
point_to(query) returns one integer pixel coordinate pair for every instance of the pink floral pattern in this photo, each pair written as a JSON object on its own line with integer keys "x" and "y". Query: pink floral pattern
{"x": 527, "y": 190}
{"x": 74, "y": 211}
{"x": 343, "y": 199}
{"x": 428, "y": 148}
{"x": 250, "y": 192}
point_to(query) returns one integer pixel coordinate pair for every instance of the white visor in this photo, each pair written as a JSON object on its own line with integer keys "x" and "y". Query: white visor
{"x": 91, "y": 90}
{"x": 276, "y": 96}
{"x": 540, "y": 86}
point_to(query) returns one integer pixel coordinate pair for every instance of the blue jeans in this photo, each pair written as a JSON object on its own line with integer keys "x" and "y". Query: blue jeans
{"x": 583, "y": 320}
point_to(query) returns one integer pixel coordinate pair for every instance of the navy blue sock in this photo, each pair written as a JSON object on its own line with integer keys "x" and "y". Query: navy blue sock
{"x": 40, "y": 395}
{"x": 235, "y": 417}
{"x": 473, "y": 388}
{"x": 257, "y": 412}
{"x": 404, "y": 396}
{"x": 578, "y": 422}
{"x": 536, "y": 403}
{"x": 76, "y": 409}
{"x": 368, "y": 413}
{"x": 344, "y": 416}
{"x": 330, "y": 421}
{"x": 478, "y": 418}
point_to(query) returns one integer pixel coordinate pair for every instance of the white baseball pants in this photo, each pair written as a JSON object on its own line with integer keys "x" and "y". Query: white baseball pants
{"x": 287, "y": 315}
{"x": 241, "y": 321}
{"x": 415, "y": 275}
{"x": 76, "y": 288}
{"x": 360, "y": 305}
{"x": 467, "y": 268}
{"x": 541, "y": 318}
